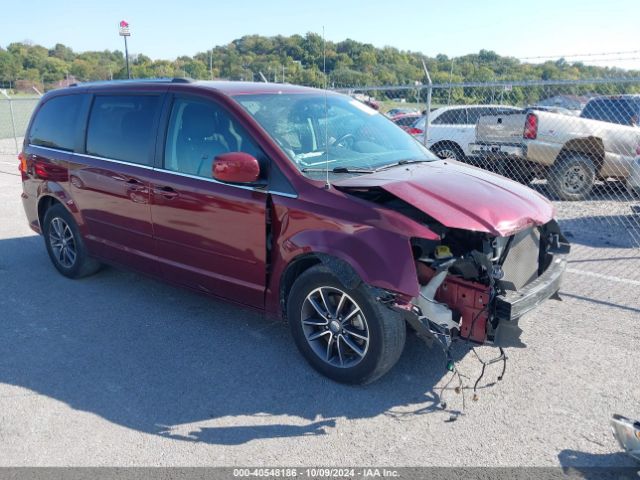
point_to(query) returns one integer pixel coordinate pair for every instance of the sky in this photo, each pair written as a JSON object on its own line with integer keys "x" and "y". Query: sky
{"x": 518, "y": 28}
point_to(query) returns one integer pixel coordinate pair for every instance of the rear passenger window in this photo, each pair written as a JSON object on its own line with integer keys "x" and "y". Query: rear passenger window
{"x": 121, "y": 127}
{"x": 56, "y": 123}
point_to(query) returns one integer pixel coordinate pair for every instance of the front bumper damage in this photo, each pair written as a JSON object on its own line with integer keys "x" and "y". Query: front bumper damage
{"x": 513, "y": 305}
{"x": 451, "y": 308}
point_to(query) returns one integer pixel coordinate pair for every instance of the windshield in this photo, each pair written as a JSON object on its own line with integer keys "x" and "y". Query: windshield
{"x": 334, "y": 131}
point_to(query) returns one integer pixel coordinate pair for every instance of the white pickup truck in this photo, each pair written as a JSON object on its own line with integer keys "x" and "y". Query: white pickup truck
{"x": 572, "y": 152}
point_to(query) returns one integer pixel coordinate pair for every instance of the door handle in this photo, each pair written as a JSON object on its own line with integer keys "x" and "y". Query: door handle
{"x": 135, "y": 185}
{"x": 166, "y": 191}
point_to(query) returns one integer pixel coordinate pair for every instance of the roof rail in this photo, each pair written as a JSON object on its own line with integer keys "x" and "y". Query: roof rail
{"x": 135, "y": 80}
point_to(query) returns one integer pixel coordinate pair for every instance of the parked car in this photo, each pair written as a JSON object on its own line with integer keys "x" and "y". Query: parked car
{"x": 571, "y": 152}
{"x": 400, "y": 111}
{"x": 452, "y": 129}
{"x": 405, "y": 120}
{"x": 302, "y": 203}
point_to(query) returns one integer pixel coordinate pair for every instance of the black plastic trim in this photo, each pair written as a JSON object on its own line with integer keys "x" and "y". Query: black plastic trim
{"x": 515, "y": 304}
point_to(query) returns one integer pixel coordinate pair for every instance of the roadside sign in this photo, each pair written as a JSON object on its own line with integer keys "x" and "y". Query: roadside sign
{"x": 124, "y": 28}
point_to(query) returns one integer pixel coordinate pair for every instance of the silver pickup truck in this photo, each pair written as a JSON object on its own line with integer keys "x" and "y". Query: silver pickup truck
{"x": 571, "y": 152}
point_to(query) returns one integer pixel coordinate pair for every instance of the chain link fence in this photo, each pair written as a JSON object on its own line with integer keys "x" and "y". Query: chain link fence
{"x": 575, "y": 142}
{"x": 15, "y": 113}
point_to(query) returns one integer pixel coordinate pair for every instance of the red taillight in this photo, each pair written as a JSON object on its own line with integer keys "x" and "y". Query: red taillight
{"x": 531, "y": 127}
{"x": 41, "y": 171}
{"x": 415, "y": 131}
{"x": 23, "y": 163}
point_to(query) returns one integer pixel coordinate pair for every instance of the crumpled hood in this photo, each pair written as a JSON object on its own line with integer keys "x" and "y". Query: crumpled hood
{"x": 461, "y": 196}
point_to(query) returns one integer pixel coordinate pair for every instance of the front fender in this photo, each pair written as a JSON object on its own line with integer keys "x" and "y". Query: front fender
{"x": 380, "y": 258}
{"x": 374, "y": 242}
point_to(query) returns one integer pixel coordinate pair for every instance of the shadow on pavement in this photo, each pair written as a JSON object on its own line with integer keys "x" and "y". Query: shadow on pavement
{"x": 600, "y": 302}
{"x": 598, "y": 466}
{"x": 603, "y": 231}
{"x": 165, "y": 361}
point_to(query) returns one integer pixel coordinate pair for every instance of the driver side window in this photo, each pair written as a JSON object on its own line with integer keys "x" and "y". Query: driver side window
{"x": 198, "y": 132}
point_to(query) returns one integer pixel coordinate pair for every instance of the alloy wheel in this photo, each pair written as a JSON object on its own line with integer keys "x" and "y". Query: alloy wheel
{"x": 62, "y": 242}
{"x": 335, "y": 327}
{"x": 447, "y": 153}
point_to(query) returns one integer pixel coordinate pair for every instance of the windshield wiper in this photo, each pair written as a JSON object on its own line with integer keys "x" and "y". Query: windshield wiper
{"x": 401, "y": 162}
{"x": 338, "y": 170}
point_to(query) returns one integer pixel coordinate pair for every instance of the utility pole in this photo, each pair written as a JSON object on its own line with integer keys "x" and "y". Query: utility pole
{"x": 211, "y": 63}
{"x": 450, "y": 79}
{"x": 124, "y": 32}
{"x": 126, "y": 54}
{"x": 427, "y": 110}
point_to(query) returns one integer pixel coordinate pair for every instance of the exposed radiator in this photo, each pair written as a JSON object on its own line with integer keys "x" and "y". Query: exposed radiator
{"x": 521, "y": 264}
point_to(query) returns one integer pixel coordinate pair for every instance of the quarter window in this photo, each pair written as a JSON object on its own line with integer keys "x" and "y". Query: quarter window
{"x": 198, "y": 132}
{"x": 121, "y": 127}
{"x": 456, "y": 116}
{"x": 56, "y": 123}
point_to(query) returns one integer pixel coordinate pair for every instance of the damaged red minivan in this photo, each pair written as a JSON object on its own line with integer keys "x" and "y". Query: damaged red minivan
{"x": 302, "y": 203}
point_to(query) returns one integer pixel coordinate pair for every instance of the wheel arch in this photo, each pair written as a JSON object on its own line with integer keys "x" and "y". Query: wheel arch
{"x": 300, "y": 264}
{"x": 45, "y": 202}
{"x": 592, "y": 147}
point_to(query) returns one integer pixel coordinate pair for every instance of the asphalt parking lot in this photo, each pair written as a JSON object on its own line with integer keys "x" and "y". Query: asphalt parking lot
{"x": 117, "y": 369}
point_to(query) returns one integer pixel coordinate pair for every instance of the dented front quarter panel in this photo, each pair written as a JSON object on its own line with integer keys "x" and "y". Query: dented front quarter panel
{"x": 374, "y": 241}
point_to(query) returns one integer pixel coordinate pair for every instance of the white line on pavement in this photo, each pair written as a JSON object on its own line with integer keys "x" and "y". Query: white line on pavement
{"x": 604, "y": 277}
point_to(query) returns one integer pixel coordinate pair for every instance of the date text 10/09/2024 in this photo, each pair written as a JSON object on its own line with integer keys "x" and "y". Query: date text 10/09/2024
{"x": 316, "y": 472}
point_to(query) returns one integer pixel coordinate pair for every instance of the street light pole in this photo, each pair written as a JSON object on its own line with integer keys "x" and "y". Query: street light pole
{"x": 125, "y": 32}
{"x": 126, "y": 54}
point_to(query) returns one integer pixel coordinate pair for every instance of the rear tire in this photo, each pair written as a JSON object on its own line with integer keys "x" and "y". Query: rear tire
{"x": 448, "y": 150}
{"x": 344, "y": 333}
{"x": 64, "y": 244}
{"x": 572, "y": 177}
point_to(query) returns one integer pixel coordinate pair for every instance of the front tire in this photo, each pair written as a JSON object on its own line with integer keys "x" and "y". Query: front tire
{"x": 344, "y": 333}
{"x": 64, "y": 244}
{"x": 572, "y": 178}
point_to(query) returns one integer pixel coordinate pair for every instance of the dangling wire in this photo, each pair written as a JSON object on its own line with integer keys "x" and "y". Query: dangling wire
{"x": 453, "y": 368}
